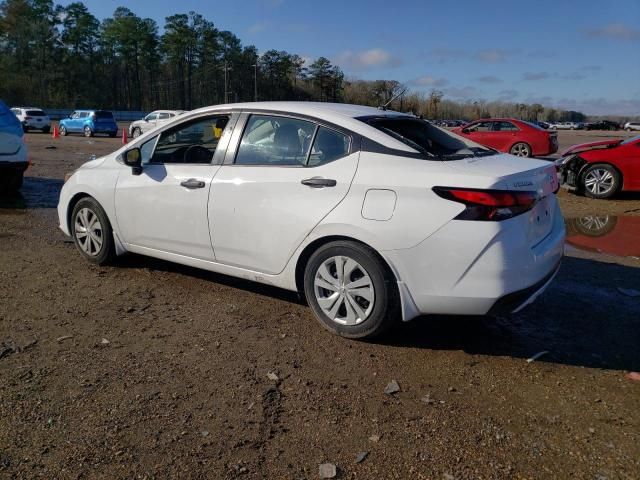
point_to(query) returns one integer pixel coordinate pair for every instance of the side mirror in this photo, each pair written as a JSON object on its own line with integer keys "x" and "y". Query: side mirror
{"x": 146, "y": 119}
{"x": 133, "y": 158}
{"x": 466, "y": 130}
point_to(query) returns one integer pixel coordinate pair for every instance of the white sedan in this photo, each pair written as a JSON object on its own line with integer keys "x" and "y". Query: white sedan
{"x": 375, "y": 216}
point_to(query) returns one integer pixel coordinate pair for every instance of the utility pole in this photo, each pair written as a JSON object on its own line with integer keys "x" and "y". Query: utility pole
{"x": 255, "y": 81}
{"x": 226, "y": 69}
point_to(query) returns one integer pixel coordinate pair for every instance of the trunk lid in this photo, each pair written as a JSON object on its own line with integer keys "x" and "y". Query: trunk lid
{"x": 519, "y": 174}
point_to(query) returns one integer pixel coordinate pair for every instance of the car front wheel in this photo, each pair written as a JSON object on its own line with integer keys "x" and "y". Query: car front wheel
{"x": 600, "y": 181}
{"x": 520, "y": 149}
{"x": 136, "y": 132}
{"x": 92, "y": 232}
{"x": 350, "y": 290}
{"x": 63, "y": 130}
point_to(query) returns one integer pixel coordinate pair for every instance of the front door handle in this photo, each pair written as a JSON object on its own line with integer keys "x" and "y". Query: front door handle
{"x": 319, "y": 182}
{"x": 192, "y": 183}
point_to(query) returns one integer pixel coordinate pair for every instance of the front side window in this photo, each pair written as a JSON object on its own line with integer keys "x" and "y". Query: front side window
{"x": 151, "y": 117}
{"x": 75, "y": 115}
{"x": 479, "y": 127}
{"x": 146, "y": 150}
{"x": 190, "y": 142}
{"x": 272, "y": 140}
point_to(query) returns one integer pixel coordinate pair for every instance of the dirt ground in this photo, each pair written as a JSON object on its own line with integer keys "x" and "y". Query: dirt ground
{"x": 152, "y": 370}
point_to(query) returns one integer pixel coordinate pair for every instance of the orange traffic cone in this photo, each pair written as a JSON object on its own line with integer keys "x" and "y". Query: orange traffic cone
{"x": 124, "y": 136}
{"x": 55, "y": 133}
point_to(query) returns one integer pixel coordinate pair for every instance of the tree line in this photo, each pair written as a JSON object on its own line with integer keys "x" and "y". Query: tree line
{"x": 64, "y": 57}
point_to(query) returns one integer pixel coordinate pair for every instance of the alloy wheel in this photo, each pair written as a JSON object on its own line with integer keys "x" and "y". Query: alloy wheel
{"x": 344, "y": 290}
{"x": 520, "y": 150}
{"x": 88, "y": 232}
{"x": 599, "y": 181}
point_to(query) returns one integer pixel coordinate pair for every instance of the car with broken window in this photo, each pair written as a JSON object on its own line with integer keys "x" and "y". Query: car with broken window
{"x": 602, "y": 169}
{"x": 373, "y": 216}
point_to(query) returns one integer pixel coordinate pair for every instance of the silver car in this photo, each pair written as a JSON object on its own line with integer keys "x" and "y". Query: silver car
{"x": 151, "y": 121}
{"x": 632, "y": 126}
{"x": 566, "y": 126}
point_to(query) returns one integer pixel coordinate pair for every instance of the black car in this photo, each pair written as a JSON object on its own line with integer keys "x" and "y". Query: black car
{"x": 603, "y": 125}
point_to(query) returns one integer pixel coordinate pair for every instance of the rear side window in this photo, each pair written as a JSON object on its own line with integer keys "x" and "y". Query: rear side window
{"x": 272, "y": 140}
{"x": 36, "y": 113}
{"x": 163, "y": 116}
{"x": 328, "y": 146}
{"x": 504, "y": 127}
{"x": 104, "y": 115}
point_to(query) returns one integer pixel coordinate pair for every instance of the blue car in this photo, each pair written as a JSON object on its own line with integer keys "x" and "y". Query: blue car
{"x": 13, "y": 151}
{"x": 89, "y": 122}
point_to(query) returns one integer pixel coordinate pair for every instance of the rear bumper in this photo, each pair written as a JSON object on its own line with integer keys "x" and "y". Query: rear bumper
{"x": 467, "y": 268}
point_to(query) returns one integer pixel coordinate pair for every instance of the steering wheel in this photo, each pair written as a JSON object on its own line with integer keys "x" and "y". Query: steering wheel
{"x": 197, "y": 154}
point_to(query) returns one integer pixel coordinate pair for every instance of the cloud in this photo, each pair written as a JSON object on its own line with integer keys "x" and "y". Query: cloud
{"x": 508, "y": 94}
{"x": 615, "y": 31}
{"x": 367, "y": 59}
{"x": 258, "y": 27}
{"x": 531, "y": 76}
{"x": 490, "y": 79}
{"x": 573, "y": 76}
{"x": 601, "y": 106}
{"x": 428, "y": 81}
{"x": 445, "y": 54}
{"x": 493, "y": 55}
{"x": 462, "y": 92}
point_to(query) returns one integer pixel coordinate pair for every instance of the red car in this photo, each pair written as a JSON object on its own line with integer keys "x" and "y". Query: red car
{"x": 512, "y": 136}
{"x": 601, "y": 169}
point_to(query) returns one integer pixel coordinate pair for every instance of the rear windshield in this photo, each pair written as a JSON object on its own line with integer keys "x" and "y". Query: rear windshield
{"x": 427, "y": 139}
{"x": 104, "y": 115}
{"x": 36, "y": 113}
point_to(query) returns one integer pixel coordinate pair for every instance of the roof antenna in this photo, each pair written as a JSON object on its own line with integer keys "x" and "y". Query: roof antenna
{"x": 399, "y": 94}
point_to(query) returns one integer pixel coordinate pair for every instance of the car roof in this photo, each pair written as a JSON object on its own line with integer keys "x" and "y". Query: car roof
{"x": 169, "y": 111}
{"x": 342, "y": 114}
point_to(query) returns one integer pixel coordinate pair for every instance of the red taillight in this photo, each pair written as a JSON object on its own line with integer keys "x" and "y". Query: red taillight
{"x": 27, "y": 118}
{"x": 488, "y": 205}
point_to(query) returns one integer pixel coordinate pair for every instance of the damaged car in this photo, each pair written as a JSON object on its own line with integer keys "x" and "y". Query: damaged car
{"x": 602, "y": 169}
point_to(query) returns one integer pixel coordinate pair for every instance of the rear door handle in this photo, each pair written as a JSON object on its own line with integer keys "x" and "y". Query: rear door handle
{"x": 192, "y": 183}
{"x": 319, "y": 182}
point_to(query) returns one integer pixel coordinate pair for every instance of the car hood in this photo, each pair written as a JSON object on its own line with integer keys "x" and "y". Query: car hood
{"x": 583, "y": 147}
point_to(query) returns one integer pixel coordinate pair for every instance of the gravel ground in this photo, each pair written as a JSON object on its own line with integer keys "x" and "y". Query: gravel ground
{"x": 152, "y": 370}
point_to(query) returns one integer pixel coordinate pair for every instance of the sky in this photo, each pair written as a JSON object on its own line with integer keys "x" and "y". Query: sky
{"x": 574, "y": 54}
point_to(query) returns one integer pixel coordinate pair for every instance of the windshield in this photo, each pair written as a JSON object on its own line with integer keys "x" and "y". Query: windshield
{"x": 533, "y": 125}
{"x": 427, "y": 139}
{"x": 631, "y": 140}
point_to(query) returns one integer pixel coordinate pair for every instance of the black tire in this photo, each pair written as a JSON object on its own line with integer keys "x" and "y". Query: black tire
{"x": 62, "y": 131}
{"x": 88, "y": 132}
{"x": 106, "y": 253}
{"x": 386, "y": 305}
{"x": 136, "y": 132}
{"x": 46, "y": 129}
{"x": 520, "y": 149}
{"x": 113, "y": 135}
{"x": 595, "y": 170}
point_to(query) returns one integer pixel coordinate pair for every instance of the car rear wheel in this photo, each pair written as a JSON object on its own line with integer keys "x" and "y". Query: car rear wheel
{"x": 600, "y": 181}
{"x": 521, "y": 149}
{"x": 136, "y": 132}
{"x": 88, "y": 132}
{"x": 92, "y": 232}
{"x": 350, "y": 290}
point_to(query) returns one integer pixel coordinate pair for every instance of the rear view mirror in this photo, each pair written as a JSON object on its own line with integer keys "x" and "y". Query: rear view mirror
{"x": 133, "y": 158}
